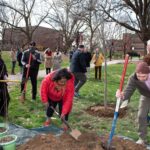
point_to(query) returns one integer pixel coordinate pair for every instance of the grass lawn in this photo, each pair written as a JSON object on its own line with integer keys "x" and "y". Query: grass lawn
{"x": 7, "y": 60}
{"x": 32, "y": 114}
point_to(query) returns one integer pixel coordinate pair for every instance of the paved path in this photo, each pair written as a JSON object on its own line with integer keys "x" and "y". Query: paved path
{"x": 42, "y": 73}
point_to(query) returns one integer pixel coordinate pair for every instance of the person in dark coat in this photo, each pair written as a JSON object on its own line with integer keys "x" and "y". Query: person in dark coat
{"x": 78, "y": 68}
{"x": 4, "y": 95}
{"x": 19, "y": 57}
{"x": 33, "y": 67}
{"x": 72, "y": 52}
{"x": 88, "y": 58}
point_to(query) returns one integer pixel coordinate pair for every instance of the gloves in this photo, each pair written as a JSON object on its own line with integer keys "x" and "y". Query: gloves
{"x": 119, "y": 94}
{"x": 46, "y": 105}
{"x": 62, "y": 117}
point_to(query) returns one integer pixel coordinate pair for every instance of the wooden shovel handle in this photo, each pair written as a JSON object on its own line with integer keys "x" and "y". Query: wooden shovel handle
{"x": 124, "y": 72}
{"x": 63, "y": 120}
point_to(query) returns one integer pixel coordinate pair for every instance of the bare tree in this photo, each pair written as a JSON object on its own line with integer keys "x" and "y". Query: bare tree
{"x": 92, "y": 18}
{"x": 62, "y": 16}
{"x": 24, "y": 13}
{"x": 133, "y": 15}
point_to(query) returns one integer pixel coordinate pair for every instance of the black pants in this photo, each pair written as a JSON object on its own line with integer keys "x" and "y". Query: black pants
{"x": 80, "y": 79}
{"x": 33, "y": 76}
{"x": 4, "y": 99}
{"x": 50, "y": 111}
{"x": 13, "y": 67}
{"x": 98, "y": 70}
{"x": 48, "y": 70}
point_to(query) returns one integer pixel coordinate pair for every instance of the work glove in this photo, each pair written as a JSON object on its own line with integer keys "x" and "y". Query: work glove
{"x": 120, "y": 94}
{"x": 46, "y": 105}
{"x": 62, "y": 116}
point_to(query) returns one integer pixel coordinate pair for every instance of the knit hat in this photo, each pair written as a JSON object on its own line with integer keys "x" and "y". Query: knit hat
{"x": 142, "y": 67}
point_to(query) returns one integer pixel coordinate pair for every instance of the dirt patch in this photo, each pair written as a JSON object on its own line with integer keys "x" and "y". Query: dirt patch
{"x": 101, "y": 111}
{"x": 6, "y": 139}
{"x": 87, "y": 141}
{"x": 2, "y": 129}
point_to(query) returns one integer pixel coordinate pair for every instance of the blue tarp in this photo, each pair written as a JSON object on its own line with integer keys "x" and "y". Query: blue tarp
{"x": 26, "y": 134}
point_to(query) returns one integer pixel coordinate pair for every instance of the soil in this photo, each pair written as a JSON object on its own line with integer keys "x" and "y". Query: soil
{"x": 2, "y": 129}
{"x": 87, "y": 141}
{"x": 101, "y": 111}
{"x": 6, "y": 139}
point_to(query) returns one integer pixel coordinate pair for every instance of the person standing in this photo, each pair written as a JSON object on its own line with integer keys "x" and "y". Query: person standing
{"x": 88, "y": 58}
{"x": 57, "y": 60}
{"x": 139, "y": 80}
{"x": 4, "y": 95}
{"x": 148, "y": 47}
{"x": 48, "y": 60}
{"x": 72, "y": 52}
{"x": 78, "y": 68}
{"x": 19, "y": 56}
{"x": 57, "y": 88}
{"x": 33, "y": 67}
{"x": 98, "y": 59}
{"x": 13, "y": 56}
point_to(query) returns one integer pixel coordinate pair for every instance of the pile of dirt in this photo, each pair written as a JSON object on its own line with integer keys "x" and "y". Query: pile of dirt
{"x": 87, "y": 141}
{"x": 6, "y": 139}
{"x": 101, "y": 111}
{"x": 2, "y": 129}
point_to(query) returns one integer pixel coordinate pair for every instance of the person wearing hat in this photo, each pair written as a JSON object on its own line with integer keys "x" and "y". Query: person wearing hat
{"x": 33, "y": 67}
{"x": 139, "y": 80}
{"x": 78, "y": 68}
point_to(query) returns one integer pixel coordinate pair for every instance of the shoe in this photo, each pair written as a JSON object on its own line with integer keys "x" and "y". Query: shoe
{"x": 140, "y": 141}
{"x": 32, "y": 100}
{"x": 76, "y": 94}
{"x": 47, "y": 123}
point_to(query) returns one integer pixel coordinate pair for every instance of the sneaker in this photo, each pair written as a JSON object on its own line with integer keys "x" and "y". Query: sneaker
{"x": 140, "y": 141}
{"x": 32, "y": 100}
{"x": 76, "y": 94}
{"x": 47, "y": 123}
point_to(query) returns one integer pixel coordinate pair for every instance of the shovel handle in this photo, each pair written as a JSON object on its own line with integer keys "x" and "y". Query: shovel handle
{"x": 124, "y": 72}
{"x": 63, "y": 120}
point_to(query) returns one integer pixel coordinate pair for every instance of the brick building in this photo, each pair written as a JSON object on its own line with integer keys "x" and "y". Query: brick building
{"x": 44, "y": 37}
{"x": 128, "y": 43}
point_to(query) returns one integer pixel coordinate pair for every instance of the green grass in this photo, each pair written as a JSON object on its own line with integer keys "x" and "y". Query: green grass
{"x": 32, "y": 114}
{"x": 7, "y": 60}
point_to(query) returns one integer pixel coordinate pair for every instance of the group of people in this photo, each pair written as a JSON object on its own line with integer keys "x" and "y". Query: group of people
{"x": 60, "y": 86}
{"x": 52, "y": 61}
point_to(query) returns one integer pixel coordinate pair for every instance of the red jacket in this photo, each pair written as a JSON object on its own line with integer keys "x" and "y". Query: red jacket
{"x": 48, "y": 91}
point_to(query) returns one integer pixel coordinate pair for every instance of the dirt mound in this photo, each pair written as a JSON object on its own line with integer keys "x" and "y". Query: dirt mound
{"x": 87, "y": 141}
{"x": 101, "y": 111}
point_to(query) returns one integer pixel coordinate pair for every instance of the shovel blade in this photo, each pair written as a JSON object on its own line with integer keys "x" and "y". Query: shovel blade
{"x": 75, "y": 134}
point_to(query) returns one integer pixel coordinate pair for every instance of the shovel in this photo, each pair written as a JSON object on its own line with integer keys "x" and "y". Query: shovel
{"x": 22, "y": 98}
{"x": 118, "y": 103}
{"x": 74, "y": 132}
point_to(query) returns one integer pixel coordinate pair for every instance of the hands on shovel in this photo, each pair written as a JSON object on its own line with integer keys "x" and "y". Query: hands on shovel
{"x": 120, "y": 94}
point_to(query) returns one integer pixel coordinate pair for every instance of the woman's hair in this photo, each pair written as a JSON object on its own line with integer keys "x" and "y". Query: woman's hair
{"x": 62, "y": 73}
{"x": 147, "y": 59}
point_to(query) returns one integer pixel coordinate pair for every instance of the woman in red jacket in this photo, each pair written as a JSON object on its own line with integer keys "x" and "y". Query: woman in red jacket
{"x": 57, "y": 88}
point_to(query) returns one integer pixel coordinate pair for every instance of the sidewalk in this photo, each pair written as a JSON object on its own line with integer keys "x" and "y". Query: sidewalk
{"x": 42, "y": 73}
